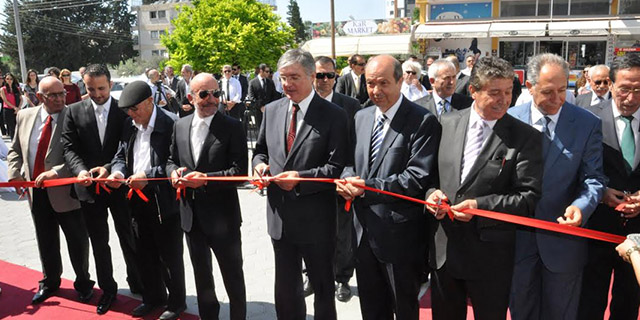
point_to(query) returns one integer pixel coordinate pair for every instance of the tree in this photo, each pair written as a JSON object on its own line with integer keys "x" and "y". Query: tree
{"x": 69, "y": 36}
{"x": 212, "y": 33}
{"x": 295, "y": 21}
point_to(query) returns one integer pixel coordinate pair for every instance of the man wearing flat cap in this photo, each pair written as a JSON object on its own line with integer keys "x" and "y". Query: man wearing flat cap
{"x": 142, "y": 153}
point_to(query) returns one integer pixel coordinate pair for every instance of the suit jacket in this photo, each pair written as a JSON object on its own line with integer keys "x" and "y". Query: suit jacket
{"x": 244, "y": 84}
{"x": 18, "y": 156}
{"x": 346, "y": 86}
{"x": 458, "y": 102}
{"x": 307, "y": 214}
{"x": 584, "y": 100}
{"x": 260, "y": 96}
{"x": 181, "y": 97}
{"x": 573, "y": 175}
{"x": 462, "y": 85}
{"x": 214, "y": 206}
{"x": 173, "y": 84}
{"x": 81, "y": 141}
{"x": 405, "y": 164}
{"x": 606, "y": 218}
{"x": 350, "y": 105}
{"x": 506, "y": 177}
{"x": 123, "y": 161}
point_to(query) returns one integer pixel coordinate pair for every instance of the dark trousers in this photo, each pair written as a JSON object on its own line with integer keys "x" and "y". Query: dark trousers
{"x": 9, "y": 116}
{"x": 289, "y": 297}
{"x": 96, "y": 216}
{"x": 603, "y": 259}
{"x": 237, "y": 111}
{"x": 48, "y": 224}
{"x": 228, "y": 250}
{"x": 3, "y": 128}
{"x": 489, "y": 295}
{"x": 386, "y": 288}
{"x": 345, "y": 244}
{"x": 159, "y": 250}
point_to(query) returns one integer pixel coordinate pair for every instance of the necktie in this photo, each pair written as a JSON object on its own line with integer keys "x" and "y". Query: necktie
{"x": 444, "y": 106}
{"x": 291, "y": 135}
{"x": 102, "y": 124}
{"x": 43, "y": 146}
{"x": 475, "y": 137}
{"x": 197, "y": 140}
{"x": 628, "y": 143}
{"x": 264, "y": 83}
{"x": 357, "y": 84}
{"x": 228, "y": 93}
{"x": 547, "y": 131}
{"x": 376, "y": 138}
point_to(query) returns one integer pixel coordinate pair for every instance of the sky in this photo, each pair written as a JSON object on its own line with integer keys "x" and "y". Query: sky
{"x": 320, "y": 10}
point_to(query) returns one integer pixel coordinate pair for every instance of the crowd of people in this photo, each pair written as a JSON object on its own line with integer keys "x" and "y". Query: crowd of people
{"x": 443, "y": 134}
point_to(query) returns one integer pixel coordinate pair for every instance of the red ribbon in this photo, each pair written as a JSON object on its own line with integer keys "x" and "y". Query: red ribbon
{"x": 138, "y": 192}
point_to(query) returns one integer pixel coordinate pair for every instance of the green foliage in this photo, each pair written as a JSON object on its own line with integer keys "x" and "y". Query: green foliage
{"x": 212, "y": 33}
{"x": 416, "y": 15}
{"x": 295, "y": 21}
{"x": 68, "y": 37}
{"x": 137, "y": 66}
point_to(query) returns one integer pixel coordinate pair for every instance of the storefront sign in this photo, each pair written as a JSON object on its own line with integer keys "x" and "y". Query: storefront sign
{"x": 362, "y": 27}
{"x": 459, "y": 11}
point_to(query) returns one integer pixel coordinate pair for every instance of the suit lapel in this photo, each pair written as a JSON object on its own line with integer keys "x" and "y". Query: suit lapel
{"x": 55, "y": 135}
{"x": 112, "y": 120}
{"x": 183, "y": 138}
{"x": 305, "y": 127}
{"x": 364, "y": 132}
{"x": 609, "y": 134}
{"x": 91, "y": 118}
{"x": 457, "y": 145}
{"x": 489, "y": 148}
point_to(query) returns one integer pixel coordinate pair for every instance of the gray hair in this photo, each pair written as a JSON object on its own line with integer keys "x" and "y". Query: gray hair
{"x": 304, "y": 58}
{"x": 438, "y": 65}
{"x": 226, "y": 66}
{"x": 490, "y": 68}
{"x": 414, "y": 66}
{"x": 187, "y": 68}
{"x": 599, "y": 67}
{"x": 536, "y": 63}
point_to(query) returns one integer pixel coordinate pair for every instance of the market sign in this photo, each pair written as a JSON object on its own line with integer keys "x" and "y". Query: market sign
{"x": 362, "y": 27}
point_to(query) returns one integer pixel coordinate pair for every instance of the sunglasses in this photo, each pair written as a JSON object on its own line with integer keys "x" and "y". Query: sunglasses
{"x": 227, "y": 71}
{"x": 267, "y": 71}
{"x": 322, "y": 75}
{"x": 410, "y": 72}
{"x": 234, "y": 69}
{"x": 361, "y": 64}
{"x": 603, "y": 82}
{"x": 203, "y": 94}
{"x": 66, "y": 75}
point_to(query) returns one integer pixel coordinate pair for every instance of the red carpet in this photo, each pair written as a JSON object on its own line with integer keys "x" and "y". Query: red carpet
{"x": 19, "y": 284}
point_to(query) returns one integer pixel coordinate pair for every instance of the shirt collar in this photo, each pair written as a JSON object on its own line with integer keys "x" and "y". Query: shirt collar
{"x": 437, "y": 98}
{"x": 304, "y": 104}
{"x": 392, "y": 111}
{"x": 150, "y": 125}
{"x": 329, "y": 97}
{"x": 474, "y": 117}
{"x": 197, "y": 120}
{"x": 355, "y": 76}
{"x": 106, "y": 105}
{"x": 44, "y": 114}
{"x": 594, "y": 97}
{"x": 616, "y": 112}
{"x": 536, "y": 115}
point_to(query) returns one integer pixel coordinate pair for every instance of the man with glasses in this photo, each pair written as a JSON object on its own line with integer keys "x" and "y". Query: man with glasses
{"x": 182, "y": 89}
{"x": 262, "y": 91}
{"x": 600, "y": 84}
{"x": 210, "y": 144}
{"x": 443, "y": 99}
{"x": 620, "y": 122}
{"x": 143, "y": 152}
{"x": 353, "y": 84}
{"x": 244, "y": 83}
{"x": 232, "y": 94}
{"x": 90, "y": 136}
{"x": 52, "y": 209}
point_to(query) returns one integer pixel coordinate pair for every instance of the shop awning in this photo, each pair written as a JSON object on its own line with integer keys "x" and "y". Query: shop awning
{"x": 503, "y": 30}
{"x": 444, "y": 31}
{"x": 625, "y": 27}
{"x": 579, "y": 28}
{"x": 370, "y": 45}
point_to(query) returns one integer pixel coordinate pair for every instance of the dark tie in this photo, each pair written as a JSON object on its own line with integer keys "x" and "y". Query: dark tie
{"x": 547, "y": 122}
{"x": 228, "y": 94}
{"x": 264, "y": 83}
{"x": 376, "y": 138}
{"x": 43, "y": 146}
{"x": 628, "y": 143}
{"x": 291, "y": 136}
{"x": 444, "y": 104}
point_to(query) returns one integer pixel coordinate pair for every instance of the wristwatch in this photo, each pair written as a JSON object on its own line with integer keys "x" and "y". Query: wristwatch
{"x": 630, "y": 251}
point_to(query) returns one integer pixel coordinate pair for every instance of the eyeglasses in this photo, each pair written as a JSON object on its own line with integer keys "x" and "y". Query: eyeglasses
{"x": 54, "y": 95}
{"x": 234, "y": 69}
{"x": 601, "y": 82}
{"x": 66, "y": 75}
{"x": 627, "y": 91}
{"x": 322, "y": 75}
{"x": 410, "y": 72}
{"x": 204, "y": 94}
{"x": 361, "y": 64}
{"x": 226, "y": 71}
{"x": 267, "y": 71}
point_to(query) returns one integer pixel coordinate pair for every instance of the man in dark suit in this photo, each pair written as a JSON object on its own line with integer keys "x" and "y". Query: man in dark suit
{"x": 462, "y": 80}
{"x": 324, "y": 82}
{"x": 548, "y": 266}
{"x": 442, "y": 75}
{"x": 182, "y": 89}
{"x": 395, "y": 146}
{"x": 170, "y": 78}
{"x": 211, "y": 144}
{"x": 353, "y": 84}
{"x": 262, "y": 91}
{"x": 600, "y": 86}
{"x": 620, "y": 156}
{"x": 244, "y": 83}
{"x": 491, "y": 161}
{"x": 302, "y": 135}
{"x": 90, "y": 136}
{"x": 143, "y": 153}
{"x": 52, "y": 209}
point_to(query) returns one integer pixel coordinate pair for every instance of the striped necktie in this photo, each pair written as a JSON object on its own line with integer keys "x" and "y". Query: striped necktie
{"x": 376, "y": 138}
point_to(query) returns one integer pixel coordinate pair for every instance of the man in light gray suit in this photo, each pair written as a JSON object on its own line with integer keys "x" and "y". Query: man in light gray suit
{"x": 600, "y": 86}
{"x": 443, "y": 99}
{"x": 36, "y": 155}
{"x": 548, "y": 266}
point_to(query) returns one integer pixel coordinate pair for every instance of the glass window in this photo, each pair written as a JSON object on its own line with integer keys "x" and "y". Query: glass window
{"x": 544, "y": 7}
{"x": 517, "y": 8}
{"x": 629, "y": 7}
{"x": 154, "y": 34}
{"x": 561, "y": 7}
{"x": 155, "y": 52}
{"x": 582, "y": 53}
{"x": 516, "y": 52}
{"x": 541, "y": 8}
{"x": 162, "y": 14}
{"x": 153, "y": 14}
{"x": 590, "y": 7}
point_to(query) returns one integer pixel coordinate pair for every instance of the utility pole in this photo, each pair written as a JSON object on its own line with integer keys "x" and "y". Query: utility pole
{"x": 23, "y": 67}
{"x": 395, "y": 8}
{"x": 333, "y": 32}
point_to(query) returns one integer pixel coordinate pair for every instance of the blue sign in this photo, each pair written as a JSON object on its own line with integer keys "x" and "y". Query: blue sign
{"x": 459, "y": 11}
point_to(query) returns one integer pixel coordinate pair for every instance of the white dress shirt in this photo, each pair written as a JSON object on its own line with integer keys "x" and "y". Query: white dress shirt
{"x": 102, "y": 122}
{"x": 235, "y": 89}
{"x": 411, "y": 91}
{"x": 487, "y": 129}
{"x": 537, "y": 120}
{"x": 36, "y": 132}
{"x": 595, "y": 100}
{"x": 390, "y": 113}
{"x": 356, "y": 81}
{"x": 437, "y": 99}
{"x": 620, "y": 125}
{"x": 329, "y": 97}
{"x": 304, "y": 107}
{"x": 142, "y": 145}
{"x": 199, "y": 131}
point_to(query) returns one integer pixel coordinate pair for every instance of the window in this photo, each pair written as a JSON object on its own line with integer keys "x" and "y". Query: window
{"x": 591, "y": 7}
{"x": 153, "y": 14}
{"x": 162, "y": 14}
{"x": 155, "y": 53}
{"x": 154, "y": 34}
{"x": 162, "y": 33}
{"x": 541, "y": 8}
{"x": 516, "y": 52}
{"x": 629, "y": 7}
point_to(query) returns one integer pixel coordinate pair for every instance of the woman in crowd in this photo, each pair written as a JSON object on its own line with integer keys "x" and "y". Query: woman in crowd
{"x": 31, "y": 88}
{"x": 411, "y": 86}
{"x": 73, "y": 91}
{"x": 583, "y": 82}
{"x": 12, "y": 98}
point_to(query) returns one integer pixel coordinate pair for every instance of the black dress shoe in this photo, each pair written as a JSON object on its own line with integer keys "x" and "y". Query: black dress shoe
{"x": 42, "y": 295}
{"x": 171, "y": 315}
{"x": 307, "y": 289}
{"x": 343, "y": 292}
{"x": 105, "y": 302}
{"x": 142, "y": 310}
{"x": 85, "y": 297}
